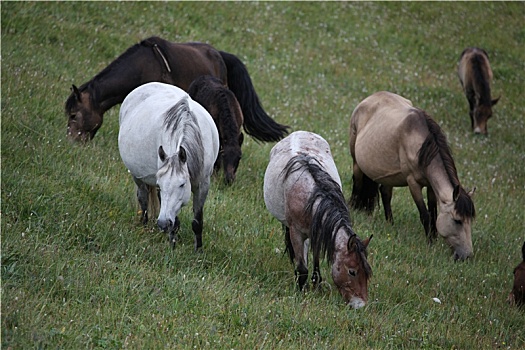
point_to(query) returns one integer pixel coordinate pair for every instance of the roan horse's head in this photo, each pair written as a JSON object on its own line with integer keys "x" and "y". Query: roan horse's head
{"x": 83, "y": 119}
{"x": 173, "y": 179}
{"x": 454, "y": 223}
{"x": 351, "y": 271}
{"x": 480, "y": 117}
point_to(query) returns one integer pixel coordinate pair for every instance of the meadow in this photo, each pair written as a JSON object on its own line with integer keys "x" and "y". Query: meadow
{"x": 78, "y": 270}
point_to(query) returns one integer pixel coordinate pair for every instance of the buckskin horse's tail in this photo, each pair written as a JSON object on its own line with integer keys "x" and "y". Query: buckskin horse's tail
{"x": 256, "y": 122}
{"x": 365, "y": 195}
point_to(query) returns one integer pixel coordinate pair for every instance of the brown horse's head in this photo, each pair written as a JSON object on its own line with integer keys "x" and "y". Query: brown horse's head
{"x": 351, "y": 271}
{"x": 482, "y": 113}
{"x": 83, "y": 118}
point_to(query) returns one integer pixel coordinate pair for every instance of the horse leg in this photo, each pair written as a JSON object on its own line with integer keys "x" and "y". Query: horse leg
{"x": 199, "y": 197}
{"x": 471, "y": 97}
{"x": 301, "y": 270}
{"x": 316, "y": 275}
{"x": 142, "y": 197}
{"x": 432, "y": 208}
{"x": 417, "y": 195}
{"x": 386, "y": 198}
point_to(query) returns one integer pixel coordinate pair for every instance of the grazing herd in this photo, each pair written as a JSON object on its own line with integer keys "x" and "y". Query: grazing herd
{"x": 183, "y": 110}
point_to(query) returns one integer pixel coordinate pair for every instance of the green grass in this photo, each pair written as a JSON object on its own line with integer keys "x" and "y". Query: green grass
{"x": 79, "y": 271}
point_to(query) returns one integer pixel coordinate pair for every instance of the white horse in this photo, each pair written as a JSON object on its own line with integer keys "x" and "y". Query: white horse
{"x": 302, "y": 189}
{"x": 169, "y": 141}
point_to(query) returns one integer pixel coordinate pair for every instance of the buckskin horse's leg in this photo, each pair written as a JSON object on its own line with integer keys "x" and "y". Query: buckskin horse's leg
{"x": 386, "y": 198}
{"x": 432, "y": 208}
{"x": 417, "y": 195}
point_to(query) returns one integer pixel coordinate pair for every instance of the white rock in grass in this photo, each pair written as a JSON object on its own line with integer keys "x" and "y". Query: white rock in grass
{"x": 437, "y": 300}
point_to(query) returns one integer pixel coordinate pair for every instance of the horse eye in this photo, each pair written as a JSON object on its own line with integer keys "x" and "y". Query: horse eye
{"x": 458, "y": 222}
{"x": 72, "y": 116}
{"x": 181, "y": 186}
{"x": 352, "y": 272}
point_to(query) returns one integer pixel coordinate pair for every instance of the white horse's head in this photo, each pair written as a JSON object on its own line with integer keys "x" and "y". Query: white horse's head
{"x": 173, "y": 179}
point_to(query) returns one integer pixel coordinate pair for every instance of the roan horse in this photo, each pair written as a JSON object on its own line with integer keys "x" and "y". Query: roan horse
{"x": 221, "y": 103}
{"x": 394, "y": 144}
{"x": 155, "y": 59}
{"x": 169, "y": 141}
{"x": 475, "y": 76}
{"x": 302, "y": 189}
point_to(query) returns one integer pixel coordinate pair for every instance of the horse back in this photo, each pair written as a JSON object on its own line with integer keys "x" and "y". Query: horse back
{"x": 279, "y": 190}
{"x": 386, "y": 133}
{"x": 474, "y": 68}
{"x": 188, "y": 61}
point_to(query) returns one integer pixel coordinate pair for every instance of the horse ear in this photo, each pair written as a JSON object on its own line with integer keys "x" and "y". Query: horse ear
{"x": 162, "y": 154}
{"x": 471, "y": 192}
{"x": 455, "y": 194}
{"x": 367, "y": 241}
{"x": 75, "y": 91}
{"x": 351, "y": 246}
{"x": 182, "y": 155}
{"x": 495, "y": 101}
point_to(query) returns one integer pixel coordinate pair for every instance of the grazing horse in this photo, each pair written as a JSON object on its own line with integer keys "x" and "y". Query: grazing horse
{"x": 221, "y": 103}
{"x": 517, "y": 296}
{"x": 475, "y": 76}
{"x": 302, "y": 190}
{"x": 169, "y": 141}
{"x": 394, "y": 144}
{"x": 157, "y": 60}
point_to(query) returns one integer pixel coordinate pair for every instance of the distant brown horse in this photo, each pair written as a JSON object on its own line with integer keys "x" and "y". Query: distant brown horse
{"x": 158, "y": 60}
{"x": 475, "y": 76}
{"x": 394, "y": 144}
{"x": 221, "y": 103}
{"x": 517, "y": 296}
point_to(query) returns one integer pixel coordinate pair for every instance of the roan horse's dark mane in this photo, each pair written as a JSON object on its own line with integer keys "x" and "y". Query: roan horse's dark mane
{"x": 436, "y": 144}
{"x": 331, "y": 213}
{"x": 182, "y": 123}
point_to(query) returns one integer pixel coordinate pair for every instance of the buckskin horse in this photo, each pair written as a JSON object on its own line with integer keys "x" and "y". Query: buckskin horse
{"x": 475, "y": 76}
{"x": 302, "y": 190}
{"x": 169, "y": 141}
{"x": 394, "y": 144}
{"x": 157, "y": 60}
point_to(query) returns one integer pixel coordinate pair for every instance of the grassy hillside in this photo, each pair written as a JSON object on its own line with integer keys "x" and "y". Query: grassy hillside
{"x": 79, "y": 271}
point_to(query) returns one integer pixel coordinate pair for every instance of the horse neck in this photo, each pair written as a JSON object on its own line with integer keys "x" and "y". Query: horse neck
{"x": 116, "y": 81}
{"x": 440, "y": 181}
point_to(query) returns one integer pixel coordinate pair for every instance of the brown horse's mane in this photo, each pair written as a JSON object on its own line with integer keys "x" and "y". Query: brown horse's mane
{"x": 436, "y": 144}
{"x": 331, "y": 213}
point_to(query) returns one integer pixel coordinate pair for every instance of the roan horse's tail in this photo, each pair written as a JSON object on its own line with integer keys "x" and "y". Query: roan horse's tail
{"x": 365, "y": 195}
{"x": 256, "y": 122}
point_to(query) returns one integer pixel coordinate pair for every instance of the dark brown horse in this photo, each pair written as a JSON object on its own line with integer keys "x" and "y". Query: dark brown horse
{"x": 221, "y": 103}
{"x": 475, "y": 76}
{"x": 158, "y": 60}
{"x": 517, "y": 296}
